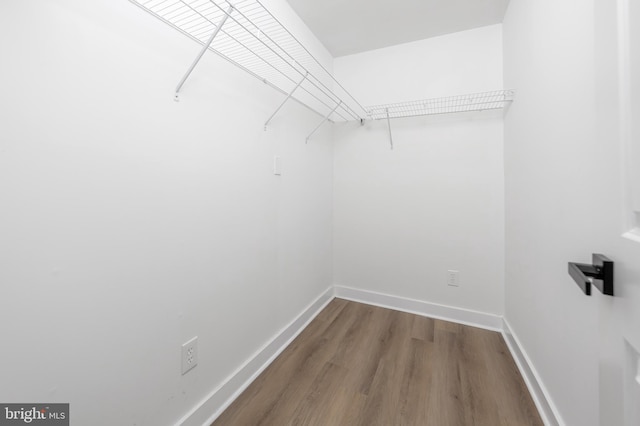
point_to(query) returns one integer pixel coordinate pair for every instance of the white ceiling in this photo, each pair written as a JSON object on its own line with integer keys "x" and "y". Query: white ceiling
{"x": 352, "y": 26}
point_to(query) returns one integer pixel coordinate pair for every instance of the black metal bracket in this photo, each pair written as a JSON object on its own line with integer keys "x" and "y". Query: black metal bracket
{"x": 600, "y": 274}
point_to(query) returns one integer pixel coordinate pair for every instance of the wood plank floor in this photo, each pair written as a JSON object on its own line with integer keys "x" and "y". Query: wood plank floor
{"x": 358, "y": 364}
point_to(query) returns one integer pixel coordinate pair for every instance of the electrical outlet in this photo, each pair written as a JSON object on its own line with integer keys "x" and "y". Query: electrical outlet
{"x": 453, "y": 278}
{"x": 189, "y": 355}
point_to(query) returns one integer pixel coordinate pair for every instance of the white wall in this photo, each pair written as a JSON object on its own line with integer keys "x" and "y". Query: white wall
{"x": 564, "y": 201}
{"x": 403, "y": 217}
{"x": 130, "y": 223}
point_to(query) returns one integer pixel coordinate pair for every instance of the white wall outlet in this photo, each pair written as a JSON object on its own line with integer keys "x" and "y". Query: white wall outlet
{"x": 453, "y": 278}
{"x": 189, "y": 355}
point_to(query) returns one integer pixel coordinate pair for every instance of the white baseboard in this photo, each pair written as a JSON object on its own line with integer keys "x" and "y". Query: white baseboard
{"x": 220, "y": 398}
{"x": 419, "y": 307}
{"x": 546, "y": 408}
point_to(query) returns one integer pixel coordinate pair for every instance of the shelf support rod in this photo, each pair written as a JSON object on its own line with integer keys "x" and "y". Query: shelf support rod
{"x": 285, "y": 101}
{"x": 389, "y": 126}
{"x": 205, "y": 47}
{"x": 323, "y": 121}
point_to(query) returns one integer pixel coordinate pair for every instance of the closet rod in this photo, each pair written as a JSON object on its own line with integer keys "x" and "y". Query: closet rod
{"x": 204, "y": 49}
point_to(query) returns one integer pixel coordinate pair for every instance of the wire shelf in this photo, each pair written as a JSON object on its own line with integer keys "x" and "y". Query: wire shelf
{"x": 496, "y": 99}
{"x": 254, "y": 40}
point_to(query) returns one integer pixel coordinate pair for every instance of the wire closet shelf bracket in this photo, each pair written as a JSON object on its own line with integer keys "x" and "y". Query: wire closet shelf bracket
{"x": 246, "y": 34}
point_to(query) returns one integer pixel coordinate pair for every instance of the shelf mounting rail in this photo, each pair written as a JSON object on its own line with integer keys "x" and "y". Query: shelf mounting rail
{"x": 247, "y": 35}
